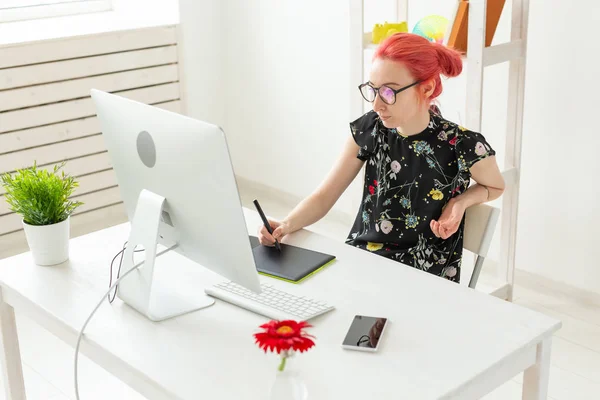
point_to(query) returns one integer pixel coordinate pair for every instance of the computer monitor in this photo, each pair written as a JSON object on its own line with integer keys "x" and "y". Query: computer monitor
{"x": 178, "y": 185}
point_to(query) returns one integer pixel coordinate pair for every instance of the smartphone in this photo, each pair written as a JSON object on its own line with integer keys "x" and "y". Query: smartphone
{"x": 365, "y": 333}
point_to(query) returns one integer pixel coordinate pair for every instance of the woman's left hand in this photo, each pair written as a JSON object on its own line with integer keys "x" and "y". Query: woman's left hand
{"x": 449, "y": 221}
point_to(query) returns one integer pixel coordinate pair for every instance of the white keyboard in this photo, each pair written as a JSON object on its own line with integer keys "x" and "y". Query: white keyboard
{"x": 272, "y": 303}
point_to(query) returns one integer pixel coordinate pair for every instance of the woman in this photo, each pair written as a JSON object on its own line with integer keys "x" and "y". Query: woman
{"x": 418, "y": 165}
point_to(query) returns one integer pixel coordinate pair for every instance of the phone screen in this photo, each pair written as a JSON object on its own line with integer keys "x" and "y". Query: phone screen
{"x": 365, "y": 332}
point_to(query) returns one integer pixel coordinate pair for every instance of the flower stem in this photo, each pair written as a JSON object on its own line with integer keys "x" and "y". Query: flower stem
{"x": 282, "y": 364}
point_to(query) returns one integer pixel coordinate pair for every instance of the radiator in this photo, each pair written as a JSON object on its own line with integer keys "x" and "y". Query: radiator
{"x": 47, "y": 115}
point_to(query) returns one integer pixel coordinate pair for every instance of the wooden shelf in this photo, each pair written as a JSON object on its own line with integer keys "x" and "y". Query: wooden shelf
{"x": 502, "y": 52}
{"x": 367, "y": 45}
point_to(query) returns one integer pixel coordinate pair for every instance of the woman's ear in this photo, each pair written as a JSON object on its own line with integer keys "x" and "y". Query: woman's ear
{"x": 427, "y": 88}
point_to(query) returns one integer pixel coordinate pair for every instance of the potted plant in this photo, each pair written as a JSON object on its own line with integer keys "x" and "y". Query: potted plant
{"x": 42, "y": 198}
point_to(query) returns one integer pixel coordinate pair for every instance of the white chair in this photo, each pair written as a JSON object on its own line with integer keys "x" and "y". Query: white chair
{"x": 480, "y": 224}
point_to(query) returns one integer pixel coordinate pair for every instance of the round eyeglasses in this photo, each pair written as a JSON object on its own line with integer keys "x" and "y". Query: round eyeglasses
{"x": 386, "y": 93}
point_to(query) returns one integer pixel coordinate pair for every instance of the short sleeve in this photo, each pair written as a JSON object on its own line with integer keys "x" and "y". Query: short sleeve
{"x": 471, "y": 148}
{"x": 364, "y": 132}
{"x": 435, "y": 109}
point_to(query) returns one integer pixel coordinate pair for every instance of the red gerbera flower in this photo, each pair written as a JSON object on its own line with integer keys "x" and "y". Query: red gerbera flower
{"x": 283, "y": 336}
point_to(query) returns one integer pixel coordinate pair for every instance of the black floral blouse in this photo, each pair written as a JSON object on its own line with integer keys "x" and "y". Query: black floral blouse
{"x": 408, "y": 181}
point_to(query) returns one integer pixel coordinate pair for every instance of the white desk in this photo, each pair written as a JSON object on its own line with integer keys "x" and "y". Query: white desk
{"x": 445, "y": 341}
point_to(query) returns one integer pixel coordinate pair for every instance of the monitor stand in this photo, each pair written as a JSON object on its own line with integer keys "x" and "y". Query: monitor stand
{"x": 140, "y": 290}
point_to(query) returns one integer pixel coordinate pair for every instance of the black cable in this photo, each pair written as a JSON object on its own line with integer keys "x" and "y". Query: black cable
{"x": 121, "y": 253}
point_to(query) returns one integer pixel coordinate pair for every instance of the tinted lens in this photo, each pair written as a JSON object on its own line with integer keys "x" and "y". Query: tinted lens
{"x": 387, "y": 95}
{"x": 368, "y": 92}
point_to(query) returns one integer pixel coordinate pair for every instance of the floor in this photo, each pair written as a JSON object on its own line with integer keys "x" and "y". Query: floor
{"x": 575, "y": 371}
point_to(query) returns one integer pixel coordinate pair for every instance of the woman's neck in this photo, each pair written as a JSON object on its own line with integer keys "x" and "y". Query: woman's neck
{"x": 416, "y": 125}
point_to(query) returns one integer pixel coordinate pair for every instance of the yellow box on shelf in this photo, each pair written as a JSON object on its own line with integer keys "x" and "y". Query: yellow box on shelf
{"x": 382, "y": 31}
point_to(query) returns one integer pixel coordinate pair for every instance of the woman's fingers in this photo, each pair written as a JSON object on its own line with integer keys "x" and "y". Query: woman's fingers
{"x": 435, "y": 228}
{"x": 448, "y": 229}
{"x": 265, "y": 238}
{"x": 444, "y": 233}
{"x": 444, "y": 228}
{"x": 278, "y": 233}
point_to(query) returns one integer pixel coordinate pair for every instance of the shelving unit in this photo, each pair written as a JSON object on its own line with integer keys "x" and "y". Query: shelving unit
{"x": 478, "y": 57}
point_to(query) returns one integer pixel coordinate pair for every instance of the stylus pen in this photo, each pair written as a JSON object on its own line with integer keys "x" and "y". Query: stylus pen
{"x": 266, "y": 222}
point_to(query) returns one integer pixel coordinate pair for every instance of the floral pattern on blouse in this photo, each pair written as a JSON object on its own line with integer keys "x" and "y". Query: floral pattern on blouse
{"x": 408, "y": 181}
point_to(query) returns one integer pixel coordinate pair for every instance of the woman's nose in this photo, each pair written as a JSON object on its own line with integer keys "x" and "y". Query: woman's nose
{"x": 378, "y": 104}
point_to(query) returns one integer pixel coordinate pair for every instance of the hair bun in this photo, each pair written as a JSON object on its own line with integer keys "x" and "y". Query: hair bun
{"x": 450, "y": 60}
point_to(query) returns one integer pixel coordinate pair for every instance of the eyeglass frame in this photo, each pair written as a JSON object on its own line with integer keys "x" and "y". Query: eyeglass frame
{"x": 376, "y": 89}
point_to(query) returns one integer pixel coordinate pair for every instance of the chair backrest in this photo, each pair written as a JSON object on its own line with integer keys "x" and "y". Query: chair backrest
{"x": 480, "y": 224}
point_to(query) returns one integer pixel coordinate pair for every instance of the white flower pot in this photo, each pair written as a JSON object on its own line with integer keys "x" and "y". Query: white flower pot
{"x": 49, "y": 244}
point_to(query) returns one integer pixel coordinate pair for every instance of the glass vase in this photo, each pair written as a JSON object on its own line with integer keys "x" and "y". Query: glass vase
{"x": 288, "y": 385}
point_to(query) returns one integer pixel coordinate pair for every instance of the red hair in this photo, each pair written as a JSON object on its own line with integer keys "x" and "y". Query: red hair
{"x": 425, "y": 60}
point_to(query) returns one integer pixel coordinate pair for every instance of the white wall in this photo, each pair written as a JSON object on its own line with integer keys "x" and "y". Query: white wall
{"x": 559, "y": 208}
{"x": 287, "y": 93}
{"x": 201, "y": 39}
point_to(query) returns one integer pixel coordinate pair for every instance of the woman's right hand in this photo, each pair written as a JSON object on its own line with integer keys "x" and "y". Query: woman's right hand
{"x": 280, "y": 229}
